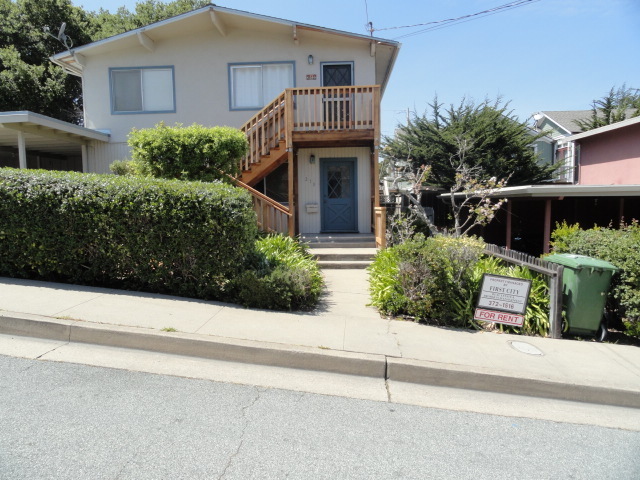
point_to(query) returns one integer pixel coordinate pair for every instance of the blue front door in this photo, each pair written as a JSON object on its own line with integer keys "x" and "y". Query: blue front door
{"x": 338, "y": 183}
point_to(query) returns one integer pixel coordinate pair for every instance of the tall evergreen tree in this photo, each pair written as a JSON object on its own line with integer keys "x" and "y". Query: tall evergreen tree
{"x": 619, "y": 104}
{"x": 495, "y": 143}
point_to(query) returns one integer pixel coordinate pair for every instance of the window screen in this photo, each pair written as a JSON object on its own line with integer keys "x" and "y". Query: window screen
{"x": 142, "y": 90}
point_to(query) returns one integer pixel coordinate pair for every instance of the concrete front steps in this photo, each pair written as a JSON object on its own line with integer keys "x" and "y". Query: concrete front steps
{"x": 335, "y": 251}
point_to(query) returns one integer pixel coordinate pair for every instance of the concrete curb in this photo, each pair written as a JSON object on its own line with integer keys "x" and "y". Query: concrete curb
{"x": 307, "y": 358}
{"x": 216, "y": 348}
{"x": 444, "y": 375}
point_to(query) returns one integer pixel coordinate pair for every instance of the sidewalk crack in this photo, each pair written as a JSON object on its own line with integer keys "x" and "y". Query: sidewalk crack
{"x": 56, "y": 315}
{"x": 52, "y": 350}
{"x": 394, "y": 336}
{"x": 242, "y": 434}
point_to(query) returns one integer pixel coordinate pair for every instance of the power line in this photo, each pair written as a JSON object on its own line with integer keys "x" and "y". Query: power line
{"x": 438, "y": 24}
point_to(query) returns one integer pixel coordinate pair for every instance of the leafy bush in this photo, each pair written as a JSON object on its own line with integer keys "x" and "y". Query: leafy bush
{"x": 129, "y": 167}
{"x": 181, "y": 238}
{"x": 423, "y": 277}
{"x": 282, "y": 275}
{"x": 188, "y": 153}
{"x": 438, "y": 280}
{"x": 619, "y": 247}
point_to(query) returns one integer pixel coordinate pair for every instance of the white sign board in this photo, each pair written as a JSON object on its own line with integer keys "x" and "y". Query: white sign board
{"x": 503, "y": 300}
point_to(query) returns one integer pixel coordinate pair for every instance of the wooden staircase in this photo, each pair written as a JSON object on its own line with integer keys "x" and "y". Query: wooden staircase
{"x": 341, "y": 251}
{"x": 308, "y": 117}
{"x": 267, "y": 164}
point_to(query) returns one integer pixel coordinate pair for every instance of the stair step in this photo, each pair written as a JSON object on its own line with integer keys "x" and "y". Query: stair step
{"x": 346, "y": 264}
{"x": 341, "y": 245}
{"x": 340, "y": 240}
{"x": 343, "y": 254}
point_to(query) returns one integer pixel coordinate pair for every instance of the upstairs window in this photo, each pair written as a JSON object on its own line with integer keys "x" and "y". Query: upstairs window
{"x": 253, "y": 85}
{"x": 142, "y": 90}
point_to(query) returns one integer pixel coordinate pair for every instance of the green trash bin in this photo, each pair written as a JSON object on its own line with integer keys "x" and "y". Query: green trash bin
{"x": 585, "y": 284}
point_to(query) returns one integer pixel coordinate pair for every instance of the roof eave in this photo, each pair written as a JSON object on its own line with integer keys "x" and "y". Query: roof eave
{"x": 74, "y": 67}
{"x": 607, "y": 128}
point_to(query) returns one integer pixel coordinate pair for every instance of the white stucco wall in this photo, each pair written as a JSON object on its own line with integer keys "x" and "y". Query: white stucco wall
{"x": 309, "y": 185}
{"x": 200, "y": 62}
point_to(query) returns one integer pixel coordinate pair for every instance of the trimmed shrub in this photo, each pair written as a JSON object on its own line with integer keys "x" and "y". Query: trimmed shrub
{"x": 282, "y": 275}
{"x": 619, "y": 247}
{"x": 188, "y": 153}
{"x": 180, "y": 238}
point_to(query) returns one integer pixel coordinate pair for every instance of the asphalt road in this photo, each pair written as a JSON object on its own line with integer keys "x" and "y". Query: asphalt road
{"x": 68, "y": 421}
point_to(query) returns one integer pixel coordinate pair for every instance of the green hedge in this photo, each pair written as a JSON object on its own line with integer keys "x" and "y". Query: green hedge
{"x": 187, "y": 153}
{"x": 182, "y": 238}
{"x": 621, "y": 248}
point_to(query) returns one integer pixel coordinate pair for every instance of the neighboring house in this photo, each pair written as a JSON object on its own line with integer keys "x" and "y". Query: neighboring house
{"x": 609, "y": 155}
{"x": 606, "y": 190}
{"x": 307, "y": 97}
{"x": 558, "y": 125}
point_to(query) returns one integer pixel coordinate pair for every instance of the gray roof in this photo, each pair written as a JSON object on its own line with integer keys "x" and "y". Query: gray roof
{"x": 567, "y": 118}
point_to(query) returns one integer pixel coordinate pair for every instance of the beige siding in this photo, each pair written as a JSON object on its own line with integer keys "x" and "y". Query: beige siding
{"x": 201, "y": 62}
{"x": 101, "y": 155}
{"x": 309, "y": 185}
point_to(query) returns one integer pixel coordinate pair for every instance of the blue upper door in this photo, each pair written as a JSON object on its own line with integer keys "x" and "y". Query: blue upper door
{"x": 339, "y": 196}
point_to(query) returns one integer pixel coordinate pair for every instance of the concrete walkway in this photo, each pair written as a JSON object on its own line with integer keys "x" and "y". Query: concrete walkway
{"x": 342, "y": 335}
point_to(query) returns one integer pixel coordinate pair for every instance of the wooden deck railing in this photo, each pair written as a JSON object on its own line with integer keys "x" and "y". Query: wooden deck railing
{"x": 335, "y": 108}
{"x": 272, "y": 217}
{"x": 315, "y": 109}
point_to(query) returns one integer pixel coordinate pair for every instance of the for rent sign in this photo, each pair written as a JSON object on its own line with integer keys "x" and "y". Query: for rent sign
{"x": 503, "y": 300}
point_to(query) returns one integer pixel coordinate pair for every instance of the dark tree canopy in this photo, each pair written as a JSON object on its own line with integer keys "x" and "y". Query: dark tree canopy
{"x": 29, "y": 80}
{"x": 619, "y": 104}
{"x": 487, "y": 134}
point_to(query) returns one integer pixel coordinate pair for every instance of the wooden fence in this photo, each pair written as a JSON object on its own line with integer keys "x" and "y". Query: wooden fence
{"x": 552, "y": 270}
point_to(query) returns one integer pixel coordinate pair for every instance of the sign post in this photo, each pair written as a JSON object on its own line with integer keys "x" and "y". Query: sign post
{"x": 502, "y": 300}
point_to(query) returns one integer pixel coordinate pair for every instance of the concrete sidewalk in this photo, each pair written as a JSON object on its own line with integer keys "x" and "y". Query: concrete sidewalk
{"x": 342, "y": 335}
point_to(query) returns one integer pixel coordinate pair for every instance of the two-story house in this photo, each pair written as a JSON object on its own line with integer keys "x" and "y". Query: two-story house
{"x": 307, "y": 97}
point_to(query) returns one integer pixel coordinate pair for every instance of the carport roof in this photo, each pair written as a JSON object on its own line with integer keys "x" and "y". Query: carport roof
{"x": 45, "y": 134}
{"x": 554, "y": 191}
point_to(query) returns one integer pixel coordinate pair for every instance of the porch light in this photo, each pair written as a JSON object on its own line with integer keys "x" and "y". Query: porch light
{"x": 310, "y": 59}
{"x": 312, "y": 159}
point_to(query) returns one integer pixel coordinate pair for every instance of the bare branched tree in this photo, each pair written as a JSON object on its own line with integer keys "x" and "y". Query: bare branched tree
{"x": 472, "y": 197}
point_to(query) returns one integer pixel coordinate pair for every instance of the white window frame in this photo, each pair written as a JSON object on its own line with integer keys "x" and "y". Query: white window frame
{"x": 165, "y": 68}
{"x": 261, "y": 100}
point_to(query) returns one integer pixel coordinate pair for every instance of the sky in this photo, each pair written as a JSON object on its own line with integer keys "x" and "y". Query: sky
{"x": 542, "y": 55}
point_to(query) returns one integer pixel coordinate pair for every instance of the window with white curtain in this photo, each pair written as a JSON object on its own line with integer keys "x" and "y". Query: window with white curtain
{"x": 142, "y": 90}
{"x": 253, "y": 85}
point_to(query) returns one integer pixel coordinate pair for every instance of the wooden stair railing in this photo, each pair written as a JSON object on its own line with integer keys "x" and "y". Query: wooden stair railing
{"x": 272, "y": 217}
{"x": 265, "y": 131}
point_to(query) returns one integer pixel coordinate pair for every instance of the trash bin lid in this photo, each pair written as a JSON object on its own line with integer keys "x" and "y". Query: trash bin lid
{"x": 578, "y": 262}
